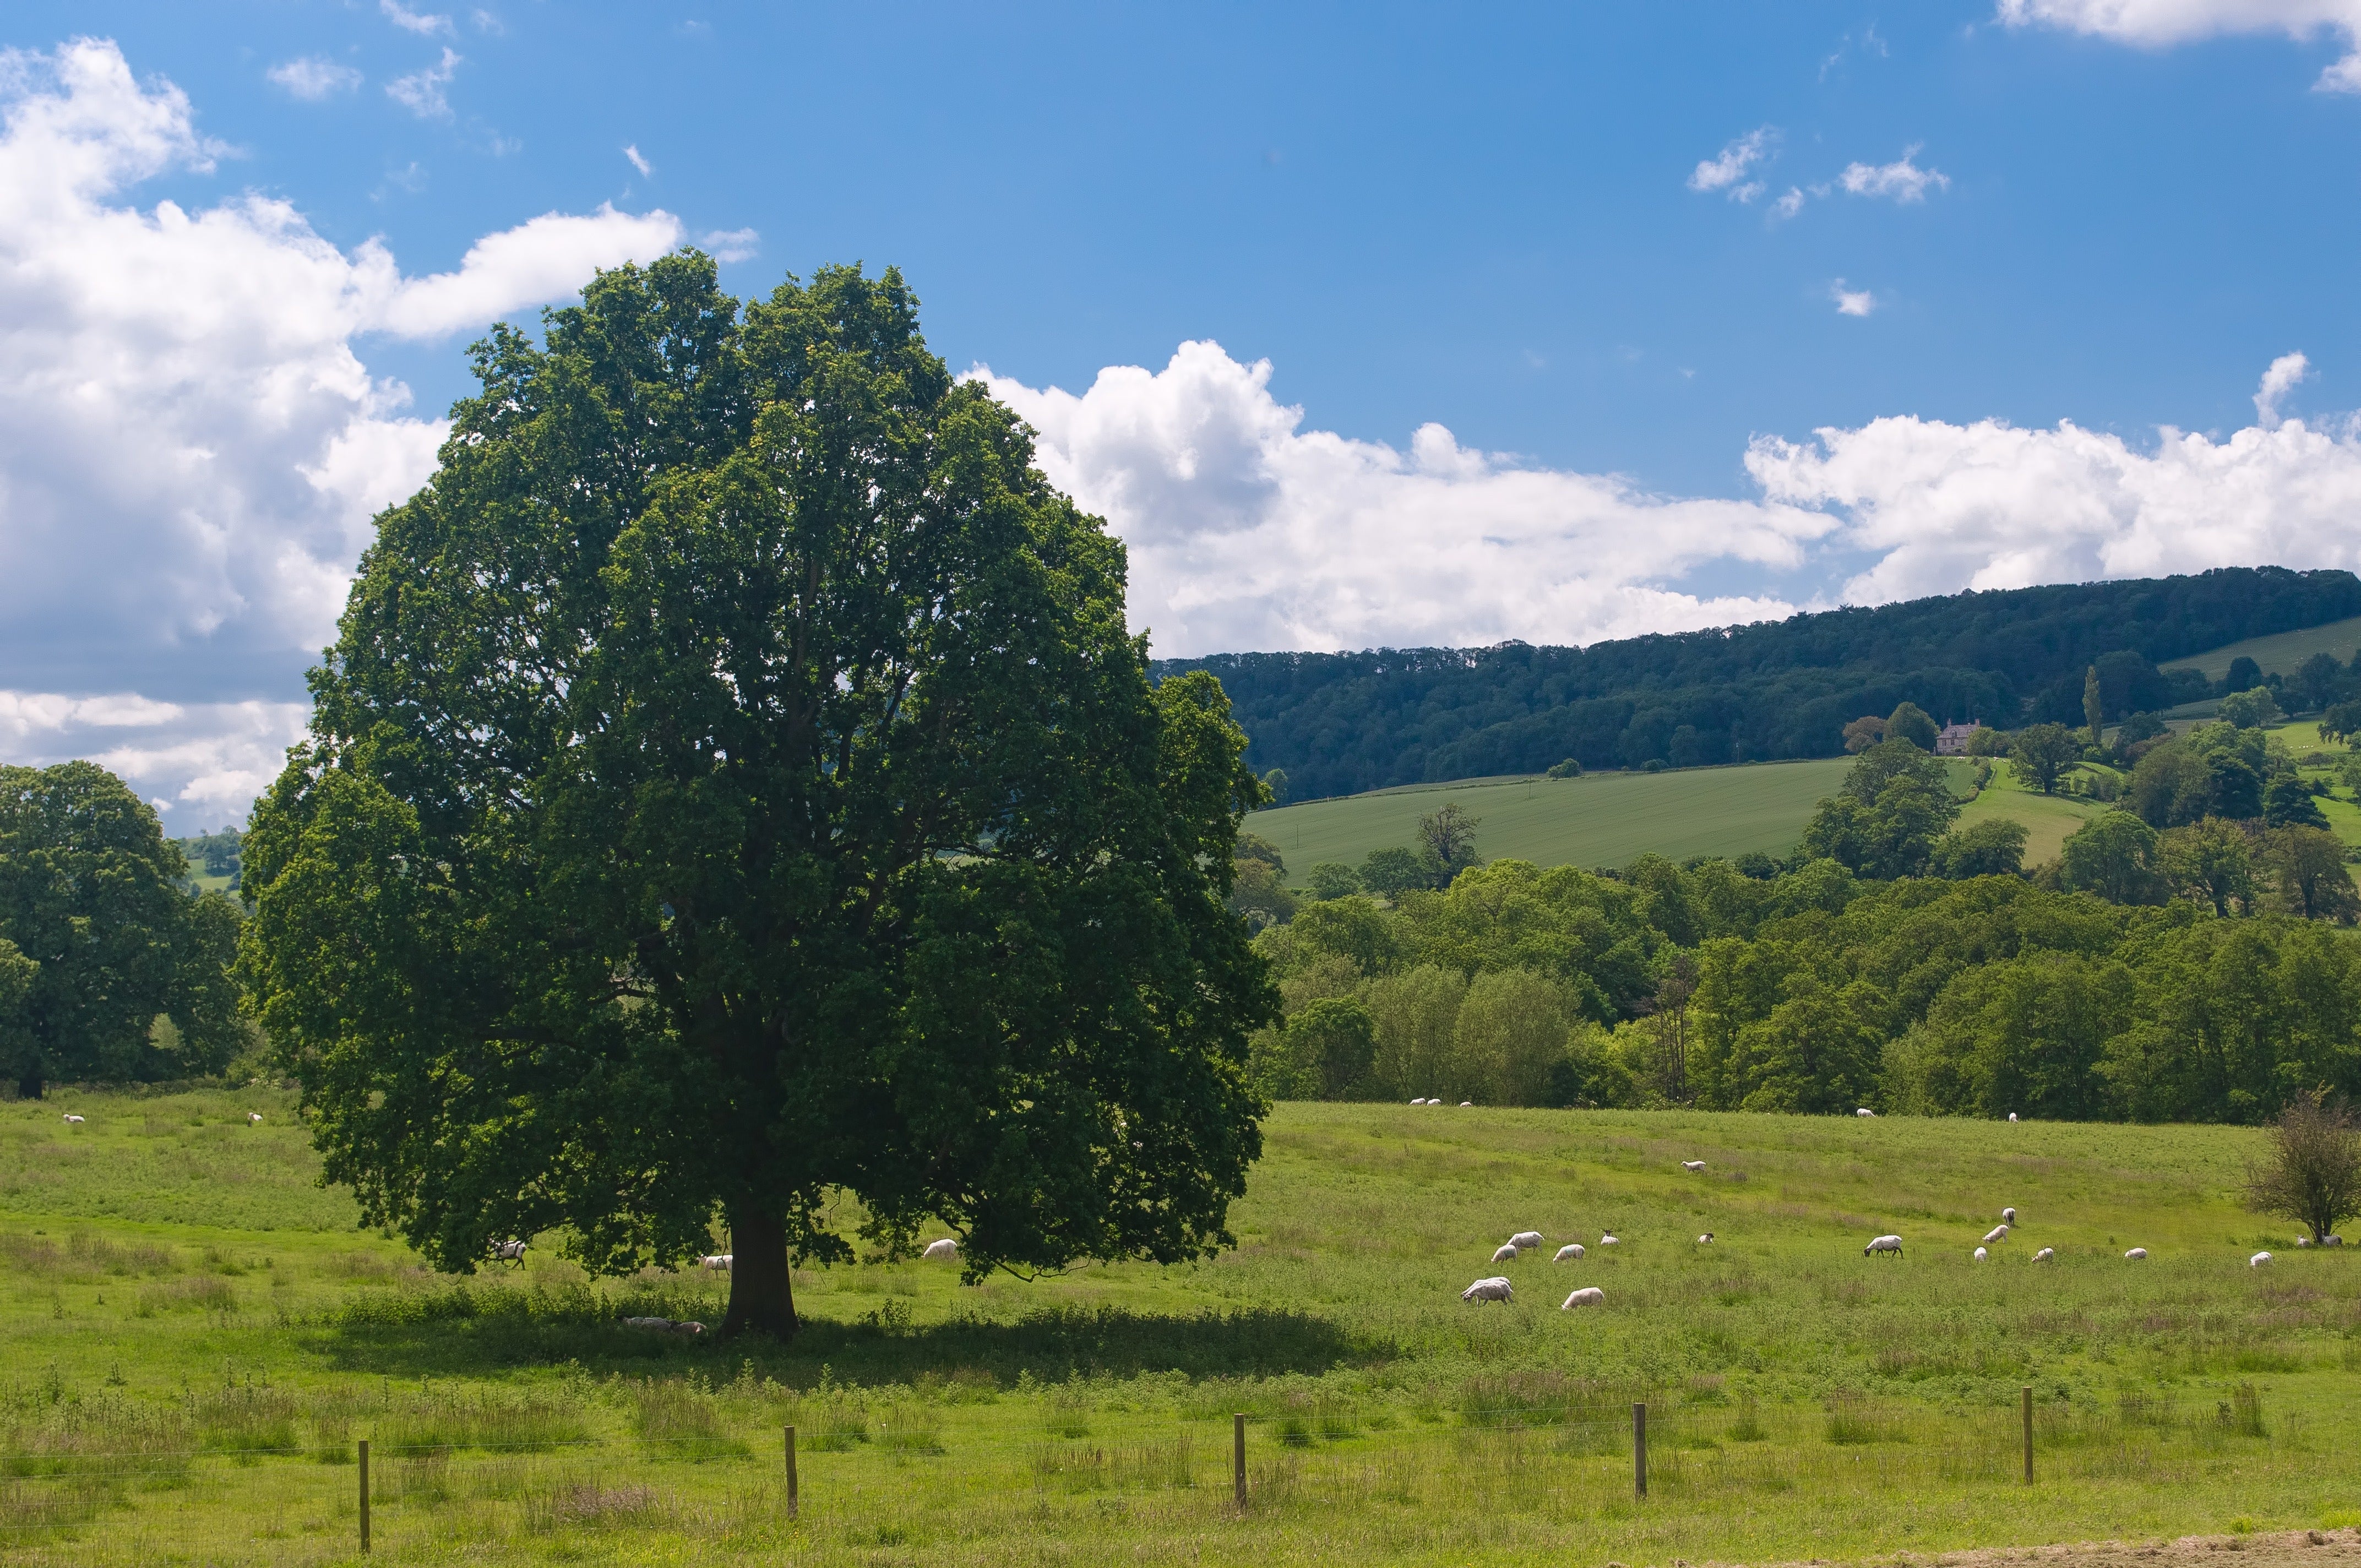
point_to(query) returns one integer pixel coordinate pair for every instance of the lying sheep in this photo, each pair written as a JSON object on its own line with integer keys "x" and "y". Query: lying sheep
{"x": 1525, "y": 1241}
{"x": 1706, "y": 1240}
{"x": 664, "y": 1326}
{"x": 943, "y": 1248}
{"x": 2046, "y": 1254}
{"x": 1998, "y": 1234}
{"x": 1609, "y": 1241}
{"x": 1692, "y": 1165}
{"x": 252, "y": 1117}
{"x": 1507, "y": 1254}
{"x": 1884, "y": 1243}
{"x": 73, "y": 1120}
{"x": 1588, "y": 1296}
{"x": 2259, "y": 1259}
{"x": 1493, "y": 1289}
{"x": 1465, "y": 1104}
{"x": 719, "y": 1262}
{"x": 2136, "y": 1253}
{"x": 2008, "y": 1217}
{"x": 1571, "y": 1252}
{"x": 1981, "y": 1254}
{"x": 2303, "y": 1241}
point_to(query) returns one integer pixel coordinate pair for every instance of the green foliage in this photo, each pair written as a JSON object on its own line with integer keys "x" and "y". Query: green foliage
{"x": 1335, "y": 1039}
{"x": 733, "y": 788}
{"x": 1864, "y": 732}
{"x": 2313, "y": 1172}
{"x": 1446, "y": 843}
{"x": 1910, "y": 723}
{"x": 2042, "y": 753}
{"x": 2094, "y": 709}
{"x": 2114, "y": 856}
{"x": 2250, "y": 709}
{"x": 1995, "y": 846}
{"x": 2287, "y": 803}
{"x": 2140, "y": 727}
{"x": 2211, "y": 861}
{"x": 1274, "y": 784}
{"x": 1334, "y": 878}
{"x": 1567, "y": 769}
{"x": 2244, "y": 674}
{"x": 2216, "y": 770}
{"x": 1390, "y": 874}
{"x": 1896, "y": 804}
{"x": 2341, "y": 721}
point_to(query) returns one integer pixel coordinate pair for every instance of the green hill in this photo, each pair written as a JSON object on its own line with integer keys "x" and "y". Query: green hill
{"x": 2279, "y": 652}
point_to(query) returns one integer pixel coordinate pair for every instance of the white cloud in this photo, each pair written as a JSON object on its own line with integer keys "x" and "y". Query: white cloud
{"x": 1246, "y": 531}
{"x": 190, "y": 448}
{"x": 412, "y": 21}
{"x": 642, "y": 164}
{"x": 1788, "y": 205}
{"x": 1902, "y": 180}
{"x": 421, "y": 92}
{"x": 2287, "y": 372}
{"x": 312, "y": 78}
{"x": 1727, "y": 171}
{"x": 201, "y": 764}
{"x": 1945, "y": 507}
{"x": 732, "y": 244}
{"x": 1851, "y": 302}
{"x": 2159, "y": 24}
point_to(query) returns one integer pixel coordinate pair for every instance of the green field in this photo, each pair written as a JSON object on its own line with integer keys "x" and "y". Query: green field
{"x": 2281, "y": 651}
{"x": 197, "y": 1337}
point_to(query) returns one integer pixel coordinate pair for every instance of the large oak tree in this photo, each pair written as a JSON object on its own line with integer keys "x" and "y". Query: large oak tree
{"x": 734, "y": 786}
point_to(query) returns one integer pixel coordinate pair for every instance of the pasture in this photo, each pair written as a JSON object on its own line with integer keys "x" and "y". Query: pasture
{"x": 196, "y": 1337}
{"x": 2281, "y": 651}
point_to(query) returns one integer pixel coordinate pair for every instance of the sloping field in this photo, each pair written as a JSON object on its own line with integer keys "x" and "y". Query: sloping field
{"x": 2282, "y": 652}
{"x": 184, "y": 1390}
{"x": 1603, "y": 820}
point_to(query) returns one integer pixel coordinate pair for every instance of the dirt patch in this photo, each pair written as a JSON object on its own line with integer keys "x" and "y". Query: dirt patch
{"x": 2317, "y": 1547}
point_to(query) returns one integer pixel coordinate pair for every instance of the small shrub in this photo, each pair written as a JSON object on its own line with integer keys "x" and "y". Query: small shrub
{"x": 1748, "y": 1427}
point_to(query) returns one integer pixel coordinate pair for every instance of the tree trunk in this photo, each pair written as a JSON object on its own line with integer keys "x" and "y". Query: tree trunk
{"x": 762, "y": 1297}
{"x": 29, "y": 1084}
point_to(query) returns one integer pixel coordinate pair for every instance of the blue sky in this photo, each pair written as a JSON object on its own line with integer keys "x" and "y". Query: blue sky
{"x": 1526, "y": 322}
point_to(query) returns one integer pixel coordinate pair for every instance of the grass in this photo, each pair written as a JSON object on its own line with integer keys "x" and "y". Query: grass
{"x": 2050, "y": 819}
{"x": 1795, "y": 1387}
{"x": 2281, "y": 651}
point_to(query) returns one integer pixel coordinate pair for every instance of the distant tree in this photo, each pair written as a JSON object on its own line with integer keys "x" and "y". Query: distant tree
{"x": 2251, "y": 708}
{"x": 1864, "y": 732}
{"x": 2094, "y": 712}
{"x": 2139, "y": 727}
{"x": 1895, "y": 803}
{"x": 1352, "y": 928}
{"x": 2341, "y": 721}
{"x": 2307, "y": 868}
{"x": 2319, "y": 681}
{"x": 2313, "y": 1172}
{"x": 2287, "y": 803}
{"x": 2209, "y": 861}
{"x": 1447, "y": 841}
{"x": 1255, "y": 847}
{"x": 2243, "y": 675}
{"x": 1390, "y": 874}
{"x": 1334, "y": 1038}
{"x": 2041, "y": 753}
{"x": 1995, "y": 846}
{"x": 1256, "y": 894}
{"x": 1910, "y": 723}
{"x": 1275, "y": 782}
{"x": 2114, "y": 856}
{"x": 1569, "y": 769}
{"x": 1332, "y": 879}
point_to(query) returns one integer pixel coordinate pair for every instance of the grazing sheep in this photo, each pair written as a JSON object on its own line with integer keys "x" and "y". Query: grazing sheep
{"x": 1525, "y": 1241}
{"x": 252, "y": 1117}
{"x": 508, "y": 1251}
{"x": 2332, "y": 1241}
{"x": 2303, "y": 1241}
{"x": 719, "y": 1262}
{"x": 1692, "y": 1165}
{"x": 1981, "y": 1254}
{"x": 2138, "y": 1252}
{"x": 1588, "y": 1296}
{"x": 2012, "y": 1115}
{"x": 1570, "y": 1251}
{"x": 1609, "y": 1241}
{"x": 1884, "y": 1243}
{"x": 1998, "y": 1234}
{"x": 1507, "y": 1254}
{"x": 2046, "y": 1254}
{"x": 943, "y": 1248}
{"x": 1493, "y": 1289}
{"x": 1865, "y": 1111}
{"x": 1706, "y": 1240}
{"x": 73, "y": 1120}
{"x": 2259, "y": 1259}
{"x": 664, "y": 1326}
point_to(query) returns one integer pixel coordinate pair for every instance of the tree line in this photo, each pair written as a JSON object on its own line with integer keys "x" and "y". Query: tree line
{"x": 1341, "y": 723}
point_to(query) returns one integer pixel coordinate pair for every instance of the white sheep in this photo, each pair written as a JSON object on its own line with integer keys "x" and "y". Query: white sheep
{"x": 1524, "y": 1241}
{"x": 73, "y": 1120}
{"x": 1507, "y": 1252}
{"x": 1998, "y": 1234}
{"x": 1865, "y": 1111}
{"x": 1496, "y": 1288}
{"x": 2008, "y": 1217}
{"x": 2259, "y": 1259}
{"x": 664, "y": 1326}
{"x": 1570, "y": 1253}
{"x": 2046, "y": 1254}
{"x": 1692, "y": 1165}
{"x": 508, "y": 1251}
{"x": 2303, "y": 1241}
{"x": 1609, "y": 1241}
{"x": 252, "y": 1117}
{"x": 1981, "y": 1254}
{"x": 719, "y": 1262}
{"x": 1706, "y": 1240}
{"x": 1884, "y": 1243}
{"x": 1588, "y": 1296}
{"x": 2136, "y": 1253}
{"x": 2334, "y": 1241}
{"x": 943, "y": 1248}
{"x": 1467, "y": 1104}
{"x": 2012, "y": 1115}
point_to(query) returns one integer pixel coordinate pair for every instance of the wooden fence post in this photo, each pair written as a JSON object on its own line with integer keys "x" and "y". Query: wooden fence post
{"x": 1639, "y": 1449}
{"x": 791, "y": 1473}
{"x": 1238, "y": 1457}
{"x": 2028, "y": 1434}
{"x": 365, "y": 1500}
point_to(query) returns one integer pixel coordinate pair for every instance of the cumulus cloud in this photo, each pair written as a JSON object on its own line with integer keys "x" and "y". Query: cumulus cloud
{"x": 1247, "y": 531}
{"x": 421, "y": 92}
{"x": 312, "y": 78}
{"x": 418, "y": 22}
{"x": 1727, "y": 171}
{"x": 1902, "y": 180}
{"x": 200, "y": 764}
{"x": 2159, "y": 24}
{"x": 2287, "y": 372}
{"x": 1851, "y": 302}
{"x": 190, "y": 448}
{"x": 732, "y": 244}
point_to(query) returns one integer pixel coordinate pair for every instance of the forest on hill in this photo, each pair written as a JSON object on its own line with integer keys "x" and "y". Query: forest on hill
{"x": 1342, "y": 723}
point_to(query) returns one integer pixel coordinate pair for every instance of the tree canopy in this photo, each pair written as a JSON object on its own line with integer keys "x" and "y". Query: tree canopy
{"x": 733, "y": 786}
